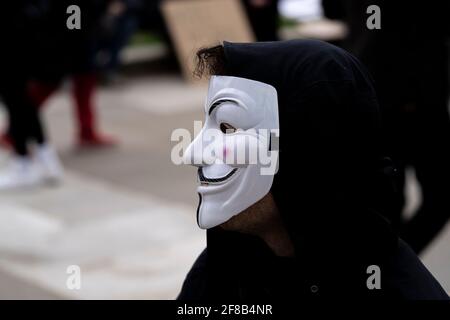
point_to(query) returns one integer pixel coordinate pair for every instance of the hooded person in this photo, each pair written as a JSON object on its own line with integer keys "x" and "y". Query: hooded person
{"x": 313, "y": 227}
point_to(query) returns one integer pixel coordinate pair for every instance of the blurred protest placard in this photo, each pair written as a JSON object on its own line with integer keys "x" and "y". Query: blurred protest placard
{"x": 200, "y": 23}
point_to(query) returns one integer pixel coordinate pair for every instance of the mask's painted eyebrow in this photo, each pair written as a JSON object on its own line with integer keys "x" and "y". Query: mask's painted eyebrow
{"x": 217, "y": 103}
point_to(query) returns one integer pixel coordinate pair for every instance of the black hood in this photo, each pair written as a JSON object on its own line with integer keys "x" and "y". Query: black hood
{"x": 330, "y": 184}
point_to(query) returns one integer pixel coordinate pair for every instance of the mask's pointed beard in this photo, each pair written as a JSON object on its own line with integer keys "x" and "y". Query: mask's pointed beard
{"x": 198, "y": 208}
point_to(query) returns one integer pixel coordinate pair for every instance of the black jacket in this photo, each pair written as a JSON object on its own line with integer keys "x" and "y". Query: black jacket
{"x": 278, "y": 278}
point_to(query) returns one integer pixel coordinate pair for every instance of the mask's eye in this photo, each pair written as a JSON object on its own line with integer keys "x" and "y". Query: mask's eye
{"x": 227, "y": 128}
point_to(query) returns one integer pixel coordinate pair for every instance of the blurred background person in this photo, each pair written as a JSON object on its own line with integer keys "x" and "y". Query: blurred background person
{"x": 263, "y": 17}
{"x": 26, "y": 168}
{"x": 116, "y": 25}
{"x": 60, "y": 53}
{"x": 409, "y": 61}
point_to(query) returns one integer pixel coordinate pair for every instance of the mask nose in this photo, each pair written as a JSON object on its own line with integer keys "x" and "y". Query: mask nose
{"x": 195, "y": 155}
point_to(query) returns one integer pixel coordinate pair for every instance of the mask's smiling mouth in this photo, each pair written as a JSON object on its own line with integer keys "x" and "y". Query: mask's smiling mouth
{"x": 204, "y": 181}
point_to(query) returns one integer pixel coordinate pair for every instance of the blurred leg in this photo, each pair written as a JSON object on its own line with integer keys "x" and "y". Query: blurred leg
{"x": 45, "y": 155}
{"x": 432, "y": 165}
{"x": 83, "y": 90}
{"x": 25, "y": 126}
{"x": 40, "y": 91}
{"x": 24, "y": 121}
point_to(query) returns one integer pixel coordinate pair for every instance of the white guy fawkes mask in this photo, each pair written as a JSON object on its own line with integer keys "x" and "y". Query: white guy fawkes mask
{"x": 232, "y": 181}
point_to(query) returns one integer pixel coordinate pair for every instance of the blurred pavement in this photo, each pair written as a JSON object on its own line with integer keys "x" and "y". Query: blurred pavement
{"x": 125, "y": 215}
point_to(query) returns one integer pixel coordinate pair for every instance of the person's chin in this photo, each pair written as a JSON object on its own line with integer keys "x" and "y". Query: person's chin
{"x": 226, "y": 225}
{"x": 233, "y": 224}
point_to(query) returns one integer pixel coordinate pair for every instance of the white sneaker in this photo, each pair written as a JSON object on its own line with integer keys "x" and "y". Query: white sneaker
{"x": 48, "y": 161}
{"x": 20, "y": 173}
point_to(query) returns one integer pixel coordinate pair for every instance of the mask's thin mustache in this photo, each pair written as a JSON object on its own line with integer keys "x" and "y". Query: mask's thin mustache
{"x": 202, "y": 178}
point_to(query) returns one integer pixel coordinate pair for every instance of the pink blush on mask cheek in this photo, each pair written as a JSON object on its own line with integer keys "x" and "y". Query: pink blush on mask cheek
{"x": 224, "y": 153}
{"x": 227, "y": 153}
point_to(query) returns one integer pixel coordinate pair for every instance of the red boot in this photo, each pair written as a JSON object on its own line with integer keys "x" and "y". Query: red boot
{"x": 96, "y": 140}
{"x": 83, "y": 90}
